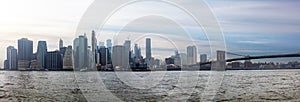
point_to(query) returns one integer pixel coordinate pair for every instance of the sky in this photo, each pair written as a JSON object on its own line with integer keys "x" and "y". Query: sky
{"x": 250, "y": 27}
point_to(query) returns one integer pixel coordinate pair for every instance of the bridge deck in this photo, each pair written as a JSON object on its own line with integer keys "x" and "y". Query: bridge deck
{"x": 258, "y": 57}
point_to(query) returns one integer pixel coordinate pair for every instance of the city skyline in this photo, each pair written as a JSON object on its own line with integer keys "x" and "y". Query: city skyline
{"x": 257, "y": 32}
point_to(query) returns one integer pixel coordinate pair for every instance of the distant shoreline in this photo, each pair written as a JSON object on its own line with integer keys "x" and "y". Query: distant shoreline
{"x": 205, "y": 69}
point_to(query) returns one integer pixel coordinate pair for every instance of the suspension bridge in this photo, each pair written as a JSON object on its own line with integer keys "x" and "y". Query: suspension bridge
{"x": 220, "y": 64}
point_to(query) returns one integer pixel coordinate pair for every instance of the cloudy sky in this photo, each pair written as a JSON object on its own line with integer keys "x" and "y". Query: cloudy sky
{"x": 254, "y": 27}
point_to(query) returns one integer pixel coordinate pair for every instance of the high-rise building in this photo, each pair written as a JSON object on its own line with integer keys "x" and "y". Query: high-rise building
{"x": 137, "y": 51}
{"x": 148, "y": 48}
{"x": 6, "y": 65}
{"x": 203, "y": 58}
{"x": 54, "y": 60}
{"x": 103, "y": 52}
{"x": 109, "y": 47}
{"x": 62, "y": 50}
{"x": 68, "y": 59}
{"x": 108, "y": 43}
{"x": 183, "y": 57}
{"x": 94, "y": 45}
{"x": 12, "y": 58}
{"x": 41, "y": 53}
{"x": 101, "y": 44}
{"x": 191, "y": 55}
{"x": 118, "y": 56}
{"x": 80, "y": 52}
{"x": 25, "y": 52}
{"x": 61, "y": 43}
{"x": 127, "y": 45}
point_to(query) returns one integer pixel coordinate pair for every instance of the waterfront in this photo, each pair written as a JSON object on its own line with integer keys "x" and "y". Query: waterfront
{"x": 254, "y": 85}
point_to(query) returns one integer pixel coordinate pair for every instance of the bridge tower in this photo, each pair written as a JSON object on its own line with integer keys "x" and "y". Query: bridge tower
{"x": 220, "y": 64}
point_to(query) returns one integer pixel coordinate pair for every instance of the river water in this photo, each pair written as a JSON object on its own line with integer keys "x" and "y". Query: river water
{"x": 266, "y": 85}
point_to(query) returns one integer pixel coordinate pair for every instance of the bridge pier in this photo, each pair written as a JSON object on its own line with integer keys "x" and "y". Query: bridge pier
{"x": 220, "y": 64}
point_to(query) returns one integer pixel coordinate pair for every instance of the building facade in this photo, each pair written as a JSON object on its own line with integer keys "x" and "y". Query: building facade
{"x": 203, "y": 58}
{"x": 12, "y": 58}
{"x": 54, "y": 60}
{"x": 191, "y": 55}
{"x": 25, "y": 52}
{"x": 118, "y": 57}
{"x": 41, "y": 53}
{"x": 148, "y": 48}
{"x": 81, "y": 53}
{"x": 68, "y": 59}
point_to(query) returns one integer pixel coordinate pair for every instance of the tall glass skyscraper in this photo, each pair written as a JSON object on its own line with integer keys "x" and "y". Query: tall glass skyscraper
{"x": 80, "y": 52}
{"x": 68, "y": 59}
{"x": 191, "y": 55}
{"x": 108, "y": 43}
{"x": 94, "y": 47}
{"x": 127, "y": 45}
{"x": 148, "y": 48}
{"x": 12, "y": 61}
{"x": 61, "y": 43}
{"x": 118, "y": 56}
{"x": 137, "y": 51}
{"x": 109, "y": 47}
{"x": 25, "y": 52}
{"x": 41, "y": 53}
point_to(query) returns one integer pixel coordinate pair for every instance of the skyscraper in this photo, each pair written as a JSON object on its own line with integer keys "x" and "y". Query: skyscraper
{"x": 101, "y": 44}
{"x": 137, "y": 51}
{"x": 108, "y": 43}
{"x": 103, "y": 52}
{"x": 67, "y": 59}
{"x": 6, "y": 65}
{"x": 183, "y": 57}
{"x": 191, "y": 55}
{"x": 41, "y": 53}
{"x": 25, "y": 52}
{"x": 127, "y": 45}
{"x": 109, "y": 47}
{"x": 80, "y": 52}
{"x": 148, "y": 48}
{"x": 118, "y": 56}
{"x": 203, "y": 58}
{"x": 12, "y": 60}
{"x": 61, "y": 43}
{"x": 94, "y": 45}
{"x": 54, "y": 60}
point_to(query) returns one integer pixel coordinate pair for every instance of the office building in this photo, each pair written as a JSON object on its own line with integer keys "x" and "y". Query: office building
{"x": 203, "y": 58}
{"x": 148, "y": 48}
{"x": 94, "y": 46}
{"x": 108, "y": 43}
{"x": 80, "y": 52}
{"x": 101, "y": 44}
{"x": 191, "y": 55}
{"x": 12, "y": 60}
{"x": 61, "y": 43}
{"x": 137, "y": 52}
{"x": 54, "y": 60}
{"x": 118, "y": 57}
{"x": 68, "y": 59}
{"x": 183, "y": 57}
{"x": 127, "y": 52}
{"x": 40, "y": 54}
{"x": 25, "y": 52}
{"x": 103, "y": 56}
{"x": 109, "y": 46}
{"x": 6, "y": 65}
